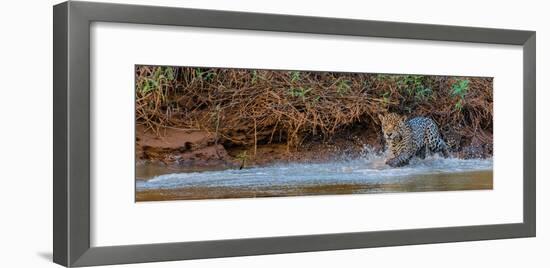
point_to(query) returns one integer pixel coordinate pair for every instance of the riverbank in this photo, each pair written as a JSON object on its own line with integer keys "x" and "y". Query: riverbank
{"x": 175, "y": 150}
{"x": 282, "y": 113}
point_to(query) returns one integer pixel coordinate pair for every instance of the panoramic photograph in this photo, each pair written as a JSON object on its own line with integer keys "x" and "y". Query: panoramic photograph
{"x": 214, "y": 133}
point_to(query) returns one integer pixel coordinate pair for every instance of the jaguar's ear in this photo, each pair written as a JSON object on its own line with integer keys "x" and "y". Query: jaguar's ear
{"x": 381, "y": 117}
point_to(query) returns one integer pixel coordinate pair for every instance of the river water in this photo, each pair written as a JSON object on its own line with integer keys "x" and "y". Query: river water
{"x": 363, "y": 175}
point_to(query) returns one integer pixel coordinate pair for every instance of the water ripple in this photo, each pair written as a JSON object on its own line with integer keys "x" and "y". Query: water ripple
{"x": 364, "y": 170}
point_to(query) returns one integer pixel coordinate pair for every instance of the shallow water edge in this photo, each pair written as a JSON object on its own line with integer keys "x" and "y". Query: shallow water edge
{"x": 470, "y": 180}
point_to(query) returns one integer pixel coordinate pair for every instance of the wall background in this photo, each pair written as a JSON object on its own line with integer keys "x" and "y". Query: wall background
{"x": 26, "y": 132}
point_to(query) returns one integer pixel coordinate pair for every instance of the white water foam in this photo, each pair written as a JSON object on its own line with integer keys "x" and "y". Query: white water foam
{"x": 359, "y": 171}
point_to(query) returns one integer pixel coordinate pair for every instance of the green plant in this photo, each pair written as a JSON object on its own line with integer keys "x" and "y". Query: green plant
{"x": 382, "y": 77}
{"x": 414, "y": 86}
{"x": 459, "y": 89}
{"x": 316, "y": 100}
{"x": 299, "y": 92}
{"x": 204, "y": 75}
{"x": 157, "y": 80}
{"x": 423, "y": 93}
{"x": 294, "y": 76}
{"x": 254, "y": 76}
{"x": 343, "y": 87}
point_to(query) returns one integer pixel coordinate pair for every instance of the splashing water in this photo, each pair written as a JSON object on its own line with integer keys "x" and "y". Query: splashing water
{"x": 369, "y": 169}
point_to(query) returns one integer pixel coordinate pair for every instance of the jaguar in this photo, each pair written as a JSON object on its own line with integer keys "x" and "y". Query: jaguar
{"x": 408, "y": 138}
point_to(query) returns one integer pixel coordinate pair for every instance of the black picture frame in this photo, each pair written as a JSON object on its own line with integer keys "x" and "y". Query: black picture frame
{"x": 71, "y": 171}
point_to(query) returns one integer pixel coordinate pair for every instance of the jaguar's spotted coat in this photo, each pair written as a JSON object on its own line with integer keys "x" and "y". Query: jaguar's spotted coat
{"x": 408, "y": 138}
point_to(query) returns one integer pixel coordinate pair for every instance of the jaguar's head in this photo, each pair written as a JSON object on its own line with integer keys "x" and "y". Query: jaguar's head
{"x": 390, "y": 125}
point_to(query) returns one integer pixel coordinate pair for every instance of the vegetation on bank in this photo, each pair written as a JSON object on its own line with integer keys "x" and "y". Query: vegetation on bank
{"x": 242, "y": 107}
